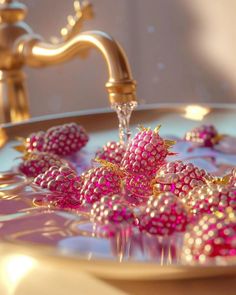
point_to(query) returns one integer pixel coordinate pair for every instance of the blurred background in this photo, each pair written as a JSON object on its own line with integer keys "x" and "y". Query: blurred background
{"x": 179, "y": 51}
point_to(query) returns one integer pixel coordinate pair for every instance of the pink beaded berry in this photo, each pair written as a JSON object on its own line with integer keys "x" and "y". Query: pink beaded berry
{"x": 63, "y": 180}
{"x": 138, "y": 185}
{"x": 34, "y": 163}
{"x": 111, "y": 210}
{"x": 210, "y": 198}
{"x": 69, "y": 201}
{"x": 65, "y": 139}
{"x": 99, "y": 182}
{"x": 146, "y": 152}
{"x": 65, "y": 201}
{"x": 112, "y": 152}
{"x": 35, "y": 142}
{"x": 178, "y": 178}
{"x": 164, "y": 215}
{"x": 62, "y": 140}
{"x": 137, "y": 189}
{"x": 211, "y": 239}
{"x": 204, "y": 135}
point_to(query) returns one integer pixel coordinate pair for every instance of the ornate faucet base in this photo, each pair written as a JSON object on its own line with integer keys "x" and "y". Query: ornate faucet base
{"x": 13, "y": 97}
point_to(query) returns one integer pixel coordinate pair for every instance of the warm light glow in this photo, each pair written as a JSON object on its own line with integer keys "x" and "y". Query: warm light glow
{"x": 71, "y": 20}
{"x": 196, "y": 112}
{"x": 77, "y": 5}
{"x": 15, "y": 268}
{"x": 64, "y": 31}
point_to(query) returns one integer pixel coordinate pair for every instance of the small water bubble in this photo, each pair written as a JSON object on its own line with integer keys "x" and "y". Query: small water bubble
{"x": 161, "y": 66}
{"x": 151, "y": 29}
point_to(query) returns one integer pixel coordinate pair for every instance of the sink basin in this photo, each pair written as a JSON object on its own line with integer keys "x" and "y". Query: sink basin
{"x": 66, "y": 238}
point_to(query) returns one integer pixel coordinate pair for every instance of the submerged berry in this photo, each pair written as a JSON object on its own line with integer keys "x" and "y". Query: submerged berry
{"x": 210, "y": 198}
{"x": 112, "y": 210}
{"x": 212, "y": 238}
{"x": 99, "y": 182}
{"x": 164, "y": 215}
{"x": 34, "y": 163}
{"x": 63, "y": 180}
{"x": 178, "y": 178}
{"x": 204, "y": 135}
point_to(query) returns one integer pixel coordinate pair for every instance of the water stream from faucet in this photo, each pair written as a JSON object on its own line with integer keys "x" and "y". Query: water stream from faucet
{"x": 124, "y": 111}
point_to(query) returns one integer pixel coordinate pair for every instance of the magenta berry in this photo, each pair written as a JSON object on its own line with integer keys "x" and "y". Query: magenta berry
{"x": 204, "y": 135}
{"x": 178, "y": 178}
{"x": 35, "y": 141}
{"x": 210, "y": 198}
{"x": 138, "y": 185}
{"x": 63, "y": 179}
{"x": 145, "y": 153}
{"x": 111, "y": 210}
{"x": 212, "y": 238}
{"x": 99, "y": 182}
{"x": 65, "y": 140}
{"x": 164, "y": 215}
{"x": 112, "y": 152}
{"x": 36, "y": 163}
{"x": 59, "y": 200}
{"x": 69, "y": 202}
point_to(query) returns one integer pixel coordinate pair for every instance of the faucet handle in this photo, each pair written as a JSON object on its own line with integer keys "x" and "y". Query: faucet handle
{"x": 83, "y": 12}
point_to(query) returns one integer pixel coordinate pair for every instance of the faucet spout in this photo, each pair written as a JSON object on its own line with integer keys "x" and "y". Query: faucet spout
{"x": 121, "y": 87}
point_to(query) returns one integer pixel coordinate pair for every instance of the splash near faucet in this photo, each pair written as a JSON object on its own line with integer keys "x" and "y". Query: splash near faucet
{"x": 20, "y": 47}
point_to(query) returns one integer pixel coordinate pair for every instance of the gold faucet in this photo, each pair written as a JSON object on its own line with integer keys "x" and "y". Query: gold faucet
{"x": 19, "y": 46}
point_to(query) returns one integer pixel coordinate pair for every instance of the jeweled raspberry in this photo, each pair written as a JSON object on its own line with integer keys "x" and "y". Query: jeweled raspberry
{"x": 99, "y": 182}
{"x": 146, "y": 152}
{"x": 63, "y": 179}
{"x": 65, "y": 140}
{"x": 138, "y": 185}
{"x": 112, "y": 152}
{"x": 111, "y": 210}
{"x": 67, "y": 201}
{"x": 178, "y": 178}
{"x": 36, "y": 163}
{"x": 135, "y": 200}
{"x": 164, "y": 215}
{"x": 211, "y": 239}
{"x": 210, "y": 198}
{"x": 204, "y": 135}
{"x": 35, "y": 142}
